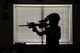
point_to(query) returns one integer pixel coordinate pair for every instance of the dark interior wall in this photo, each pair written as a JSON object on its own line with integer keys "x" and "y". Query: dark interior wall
{"x": 76, "y": 24}
{"x": 6, "y": 21}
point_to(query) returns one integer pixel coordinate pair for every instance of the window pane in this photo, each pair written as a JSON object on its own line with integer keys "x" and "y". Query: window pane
{"x": 24, "y": 15}
{"x": 34, "y": 13}
{"x": 65, "y": 20}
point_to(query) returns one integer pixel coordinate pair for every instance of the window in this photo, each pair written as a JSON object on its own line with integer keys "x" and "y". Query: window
{"x": 24, "y": 13}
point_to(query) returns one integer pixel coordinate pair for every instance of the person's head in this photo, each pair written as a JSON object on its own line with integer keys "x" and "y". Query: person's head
{"x": 53, "y": 19}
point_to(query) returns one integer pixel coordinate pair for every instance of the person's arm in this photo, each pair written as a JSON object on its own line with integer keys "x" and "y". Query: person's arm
{"x": 39, "y": 33}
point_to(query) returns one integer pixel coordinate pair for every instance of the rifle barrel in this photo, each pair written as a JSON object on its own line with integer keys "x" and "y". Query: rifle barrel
{"x": 23, "y": 25}
{"x": 34, "y": 25}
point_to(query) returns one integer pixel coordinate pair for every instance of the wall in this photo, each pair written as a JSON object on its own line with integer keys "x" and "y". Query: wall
{"x": 6, "y": 22}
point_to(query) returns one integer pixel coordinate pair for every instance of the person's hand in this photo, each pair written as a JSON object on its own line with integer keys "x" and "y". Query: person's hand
{"x": 34, "y": 29}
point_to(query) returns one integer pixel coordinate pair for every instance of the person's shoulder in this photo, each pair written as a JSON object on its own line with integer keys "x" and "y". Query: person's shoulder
{"x": 58, "y": 27}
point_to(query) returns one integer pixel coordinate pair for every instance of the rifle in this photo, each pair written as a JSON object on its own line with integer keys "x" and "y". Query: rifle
{"x": 32, "y": 24}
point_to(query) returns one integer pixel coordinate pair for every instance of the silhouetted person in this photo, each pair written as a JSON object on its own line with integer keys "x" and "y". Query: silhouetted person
{"x": 53, "y": 33}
